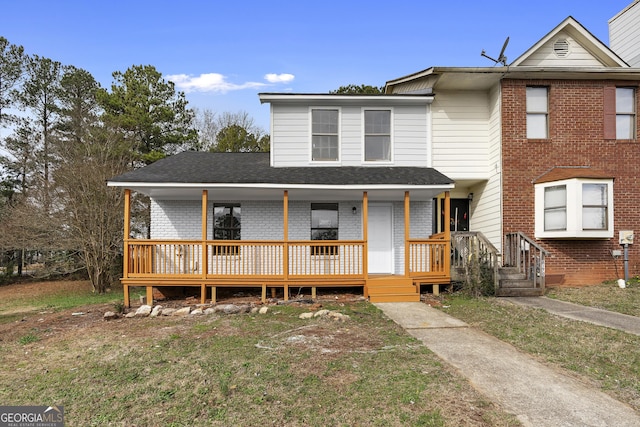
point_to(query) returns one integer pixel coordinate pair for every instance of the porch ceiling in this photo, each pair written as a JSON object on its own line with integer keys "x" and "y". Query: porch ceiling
{"x": 302, "y": 193}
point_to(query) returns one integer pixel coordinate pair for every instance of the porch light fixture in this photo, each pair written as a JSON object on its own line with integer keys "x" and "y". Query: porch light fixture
{"x": 354, "y": 210}
{"x": 470, "y": 196}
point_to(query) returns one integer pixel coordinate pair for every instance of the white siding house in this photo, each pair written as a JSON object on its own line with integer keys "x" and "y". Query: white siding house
{"x": 624, "y": 34}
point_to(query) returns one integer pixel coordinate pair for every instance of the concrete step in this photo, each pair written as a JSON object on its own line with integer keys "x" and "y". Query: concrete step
{"x": 511, "y": 273}
{"x": 519, "y": 292}
{"x": 516, "y": 283}
{"x": 401, "y": 297}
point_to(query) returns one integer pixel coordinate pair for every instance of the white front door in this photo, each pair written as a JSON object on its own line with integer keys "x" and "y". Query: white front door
{"x": 380, "y": 232}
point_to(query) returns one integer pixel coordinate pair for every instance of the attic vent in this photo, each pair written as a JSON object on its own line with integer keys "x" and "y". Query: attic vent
{"x": 561, "y": 48}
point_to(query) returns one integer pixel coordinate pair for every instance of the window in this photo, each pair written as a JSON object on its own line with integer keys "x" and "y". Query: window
{"x": 625, "y": 113}
{"x": 324, "y": 135}
{"x": 576, "y": 208}
{"x": 594, "y": 206}
{"x": 226, "y": 226}
{"x": 324, "y": 226}
{"x": 555, "y": 208}
{"x": 537, "y": 113}
{"x": 377, "y": 135}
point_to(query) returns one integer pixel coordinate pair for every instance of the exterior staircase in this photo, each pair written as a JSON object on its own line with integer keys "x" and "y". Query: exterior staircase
{"x": 513, "y": 283}
{"x": 391, "y": 289}
{"x": 522, "y": 272}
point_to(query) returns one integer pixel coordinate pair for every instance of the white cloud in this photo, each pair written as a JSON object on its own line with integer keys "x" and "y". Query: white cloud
{"x": 279, "y": 78}
{"x": 210, "y": 82}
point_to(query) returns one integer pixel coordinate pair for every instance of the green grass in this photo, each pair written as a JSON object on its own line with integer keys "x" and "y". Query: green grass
{"x": 244, "y": 370}
{"x": 78, "y": 294}
{"x": 608, "y": 296}
{"x": 605, "y": 357}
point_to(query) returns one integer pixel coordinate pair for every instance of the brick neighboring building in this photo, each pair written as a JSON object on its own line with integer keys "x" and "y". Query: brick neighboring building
{"x": 554, "y": 140}
{"x": 576, "y": 140}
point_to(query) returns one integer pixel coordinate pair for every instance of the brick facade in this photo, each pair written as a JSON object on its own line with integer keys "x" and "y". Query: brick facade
{"x": 576, "y": 138}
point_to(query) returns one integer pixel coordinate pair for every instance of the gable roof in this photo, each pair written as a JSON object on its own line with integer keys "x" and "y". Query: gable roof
{"x": 588, "y": 58}
{"x": 572, "y": 28}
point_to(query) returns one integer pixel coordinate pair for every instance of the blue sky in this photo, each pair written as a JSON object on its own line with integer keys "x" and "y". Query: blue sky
{"x": 223, "y": 53}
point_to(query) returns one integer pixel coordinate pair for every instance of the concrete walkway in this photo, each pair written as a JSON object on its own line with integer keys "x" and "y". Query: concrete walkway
{"x": 537, "y": 394}
{"x": 623, "y": 322}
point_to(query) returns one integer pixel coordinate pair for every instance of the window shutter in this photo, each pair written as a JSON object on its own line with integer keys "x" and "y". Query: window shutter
{"x": 610, "y": 112}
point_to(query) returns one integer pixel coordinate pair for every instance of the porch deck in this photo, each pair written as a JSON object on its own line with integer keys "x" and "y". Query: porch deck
{"x": 281, "y": 264}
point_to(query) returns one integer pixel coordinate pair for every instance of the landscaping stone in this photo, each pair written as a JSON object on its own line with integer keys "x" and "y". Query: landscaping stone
{"x": 321, "y": 313}
{"x": 308, "y": 315}
{"x": 143, "y": 311}
{"x": 130, "y": 315}
{"x": 210, "y": 310}
{"x": 197, "y": 311}
{"x": 156, "y": 311}
{"x": 263, "y": 310}
{"x": 339, "y": 316}
{"x": 168, "y": 311}
{"x": 182, "y": 311}
{"x": 110, "y": 315}
{"x": 231, "y": 309}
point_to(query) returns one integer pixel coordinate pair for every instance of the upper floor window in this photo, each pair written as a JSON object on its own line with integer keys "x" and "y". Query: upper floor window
{"x": 537, "y": 112}
{"x": 324, "y": 134}
{"x": 377, "y": 135}
{"x": 574, "y": 208}
{"x": 625, "y": 113}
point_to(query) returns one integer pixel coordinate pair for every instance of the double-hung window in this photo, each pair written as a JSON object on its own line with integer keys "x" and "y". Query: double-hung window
{"x": 555, "y": 208}
{"x": 377, "y": 135}
{"x": 324, "y": 135}
{"x": 625, "y": 113}
{"x": 595, "y": 206}
{"x": 324, "y": 226}
{"x": 537, "y": 112}
{"x": 226, "y": 226}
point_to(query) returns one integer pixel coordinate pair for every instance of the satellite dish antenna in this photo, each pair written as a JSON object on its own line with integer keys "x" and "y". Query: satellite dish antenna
{"x": 501, "y": 58}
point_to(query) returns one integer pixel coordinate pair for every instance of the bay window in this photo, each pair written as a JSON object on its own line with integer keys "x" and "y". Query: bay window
{"x": 580, "y": 208}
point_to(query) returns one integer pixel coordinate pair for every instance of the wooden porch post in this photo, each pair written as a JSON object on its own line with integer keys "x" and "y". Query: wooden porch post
{"x": 285, "y": 250}
{"x": 407, "y": 219}
{"x": 205, "y": 257}
{"x": 447, "y": 230}
{"x": 125, "y": 253}
{"x": 365, "y": 234}
{"x": 447, "y": 214}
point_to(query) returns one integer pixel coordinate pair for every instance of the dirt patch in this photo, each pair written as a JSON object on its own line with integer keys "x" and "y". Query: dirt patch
{"x": 48, "y": 323}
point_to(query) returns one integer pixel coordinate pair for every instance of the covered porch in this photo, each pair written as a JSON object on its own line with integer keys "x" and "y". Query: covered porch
{"x": 284, "y": 263}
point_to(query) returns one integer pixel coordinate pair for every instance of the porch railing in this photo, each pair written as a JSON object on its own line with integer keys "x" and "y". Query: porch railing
{"x": 273, "y": 260}
{"x": 429, "y": 257}
{"x": 245, "y": 259}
